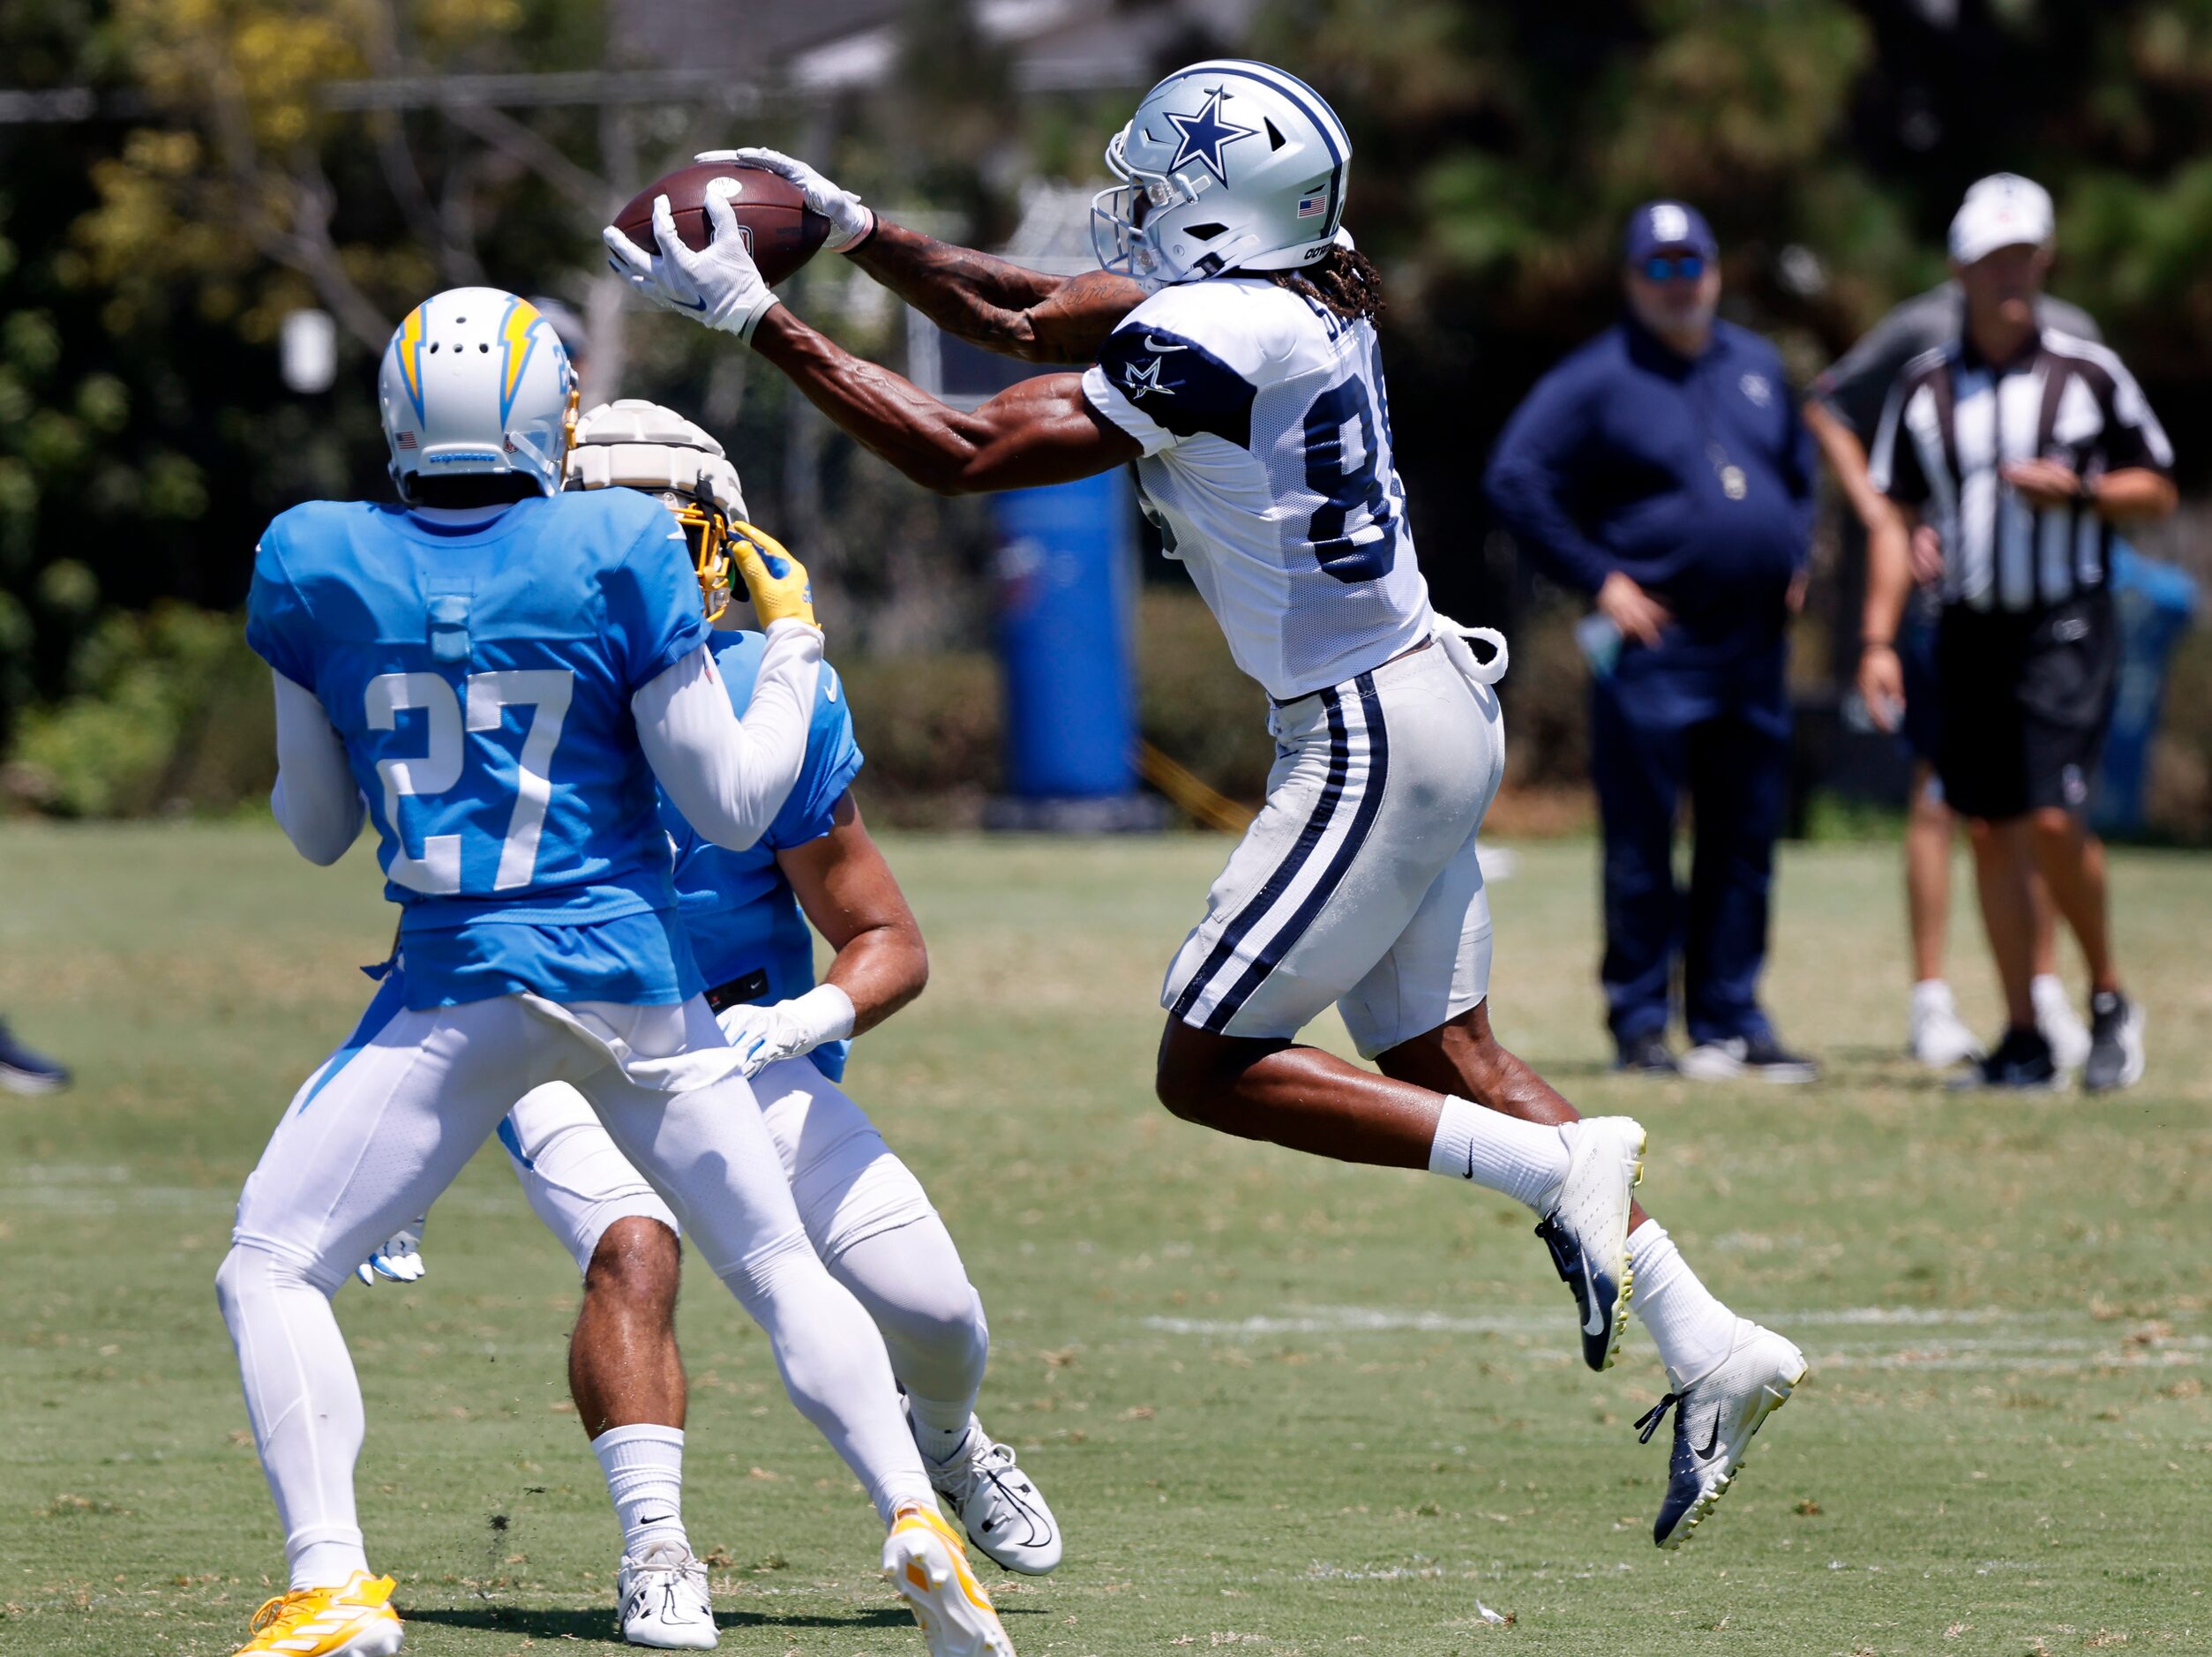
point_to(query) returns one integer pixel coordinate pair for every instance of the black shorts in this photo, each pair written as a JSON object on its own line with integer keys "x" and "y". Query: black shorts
{"x": 2027, "y": 699}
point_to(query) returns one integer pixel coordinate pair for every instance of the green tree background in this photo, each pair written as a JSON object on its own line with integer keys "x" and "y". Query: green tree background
{"x": 216, "y": 164}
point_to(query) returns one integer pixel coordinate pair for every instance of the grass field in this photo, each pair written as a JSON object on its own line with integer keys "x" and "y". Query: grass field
{"x": 1277, "y": 1402}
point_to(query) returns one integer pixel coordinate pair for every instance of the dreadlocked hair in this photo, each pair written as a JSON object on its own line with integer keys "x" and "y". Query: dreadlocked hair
{"x": 1343, "y": 279}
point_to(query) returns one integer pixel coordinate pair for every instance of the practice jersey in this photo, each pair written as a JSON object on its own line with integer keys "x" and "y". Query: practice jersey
{"x": 480, "y": 678}
{"x": 1267, "y": 467}
{"x": 745, "y": 921}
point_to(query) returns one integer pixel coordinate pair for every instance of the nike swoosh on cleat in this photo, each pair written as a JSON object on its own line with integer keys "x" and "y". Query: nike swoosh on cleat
{"x": 1713, "y": 1439}
{"x": 1596, "y": 1325}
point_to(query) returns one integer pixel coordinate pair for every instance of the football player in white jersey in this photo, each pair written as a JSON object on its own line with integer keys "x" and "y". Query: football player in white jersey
{"x": 1231, "y": 357}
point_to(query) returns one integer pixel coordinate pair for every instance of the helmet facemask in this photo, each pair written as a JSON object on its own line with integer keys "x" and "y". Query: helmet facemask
{"x": 707, "y": 533}
{"x": 1129, "y": 220}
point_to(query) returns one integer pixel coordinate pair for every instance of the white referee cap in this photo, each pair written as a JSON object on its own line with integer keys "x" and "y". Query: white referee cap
{"x": 2003, "y": 210}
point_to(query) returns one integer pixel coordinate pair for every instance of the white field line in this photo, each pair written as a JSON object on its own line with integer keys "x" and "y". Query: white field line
{"x": 1364, "y": 1320}
{"x": 1942, "y": 1350}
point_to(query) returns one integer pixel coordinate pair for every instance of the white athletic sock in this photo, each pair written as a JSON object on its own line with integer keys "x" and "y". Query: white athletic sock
{"x": 327, "y": 1565}
{"x": 1525, "y": 1160}
{"x": 1691, "y": 1328}
{"x": 940, "y": 1428}
{"x": 644, "y": 1466}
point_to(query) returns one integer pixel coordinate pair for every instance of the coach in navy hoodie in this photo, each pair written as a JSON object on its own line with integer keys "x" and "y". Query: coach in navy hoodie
{"x": 1662, "y": 469}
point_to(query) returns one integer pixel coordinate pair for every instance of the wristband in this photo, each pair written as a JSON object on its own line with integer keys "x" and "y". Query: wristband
{"x": 875, "y": 223}
{"x": 744, "y": 330}
{"x": 1866, "y": 643}
{"x": 825, "y": 1012}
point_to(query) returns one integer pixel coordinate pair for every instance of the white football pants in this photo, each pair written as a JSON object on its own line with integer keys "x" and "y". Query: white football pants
{"x": 864, "y": 1212}
{"x": 1359, "y": 882}
{"x": 385, "y": 1125}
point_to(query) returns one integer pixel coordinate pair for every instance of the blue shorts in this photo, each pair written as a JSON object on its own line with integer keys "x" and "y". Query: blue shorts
{"x": 1922, "y": 730}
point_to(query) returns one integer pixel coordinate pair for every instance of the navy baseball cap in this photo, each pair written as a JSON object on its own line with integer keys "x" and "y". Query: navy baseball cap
{"x": 1657, "y": 226}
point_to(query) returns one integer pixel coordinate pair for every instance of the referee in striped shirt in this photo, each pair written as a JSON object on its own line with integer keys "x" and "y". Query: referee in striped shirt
{"x": 2022, "y": 446}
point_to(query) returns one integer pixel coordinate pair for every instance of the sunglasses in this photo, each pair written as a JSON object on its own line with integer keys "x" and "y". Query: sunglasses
{"x": 1665, "y": 267}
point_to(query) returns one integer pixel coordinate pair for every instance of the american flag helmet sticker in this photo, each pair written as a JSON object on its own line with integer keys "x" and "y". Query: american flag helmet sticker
{"x": 1314, "y": 205}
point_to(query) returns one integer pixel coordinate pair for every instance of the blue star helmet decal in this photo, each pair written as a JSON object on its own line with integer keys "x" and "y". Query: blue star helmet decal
{"x": 1205, "y": 134}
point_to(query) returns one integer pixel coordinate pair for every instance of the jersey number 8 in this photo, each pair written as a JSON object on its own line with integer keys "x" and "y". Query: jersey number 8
{"x": 436, "y": 873}
{"x": 1345, "y": 467}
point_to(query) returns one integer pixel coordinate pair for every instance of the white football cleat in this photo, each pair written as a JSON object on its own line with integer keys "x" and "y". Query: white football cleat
{"x": 1940, "y": 1038}
{"x": 1587, "y": 1229}
{"x": 1715, "y": 1416}
{"x": 2060, "y": 1024}
{"x": 925, "y": 1563}
{"x": 999, "y": 1507}
{"x": 665, "y": 1600}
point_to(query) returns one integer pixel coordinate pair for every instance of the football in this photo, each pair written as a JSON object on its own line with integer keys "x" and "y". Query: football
{"x": 772, "y": 213}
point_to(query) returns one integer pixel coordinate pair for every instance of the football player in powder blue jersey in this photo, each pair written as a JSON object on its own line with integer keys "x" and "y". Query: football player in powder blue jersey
{"x": 496, "y": 673}
{"x": 746, "y": 913}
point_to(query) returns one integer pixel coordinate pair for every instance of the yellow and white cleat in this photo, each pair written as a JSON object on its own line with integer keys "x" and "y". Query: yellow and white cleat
{"x": 355, "y": 1620}
{"x": 925, "y": 1563}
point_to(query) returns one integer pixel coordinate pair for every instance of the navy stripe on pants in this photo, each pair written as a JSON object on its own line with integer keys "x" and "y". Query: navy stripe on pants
{"x": 1378, "y": 745}
{"x": 1286, "y": 871}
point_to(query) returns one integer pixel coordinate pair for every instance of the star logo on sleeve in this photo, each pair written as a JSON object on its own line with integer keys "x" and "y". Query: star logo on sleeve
{"x": 1205, "y": 134}
{"x": 1138, "y": 379}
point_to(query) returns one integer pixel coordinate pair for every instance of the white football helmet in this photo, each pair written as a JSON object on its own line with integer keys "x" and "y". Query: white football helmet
{"x": 475, "y": 381}
{"x": 1228, "y": 165}
{"x": 633, "y": 444}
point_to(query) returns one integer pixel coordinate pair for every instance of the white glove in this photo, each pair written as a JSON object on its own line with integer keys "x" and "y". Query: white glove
{"x": 849, "y": 220}
{"x": 399, "y": 1258}
{"x": 721, "y": 287}
{"x": 784, "y": 1029}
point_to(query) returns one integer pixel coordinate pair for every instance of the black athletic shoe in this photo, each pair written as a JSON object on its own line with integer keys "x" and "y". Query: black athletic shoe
{"x": 1760, "y": 1057}
{"x": 2116, "y": 1043}
{"x": 24, "y": 1071}
{"x": 1647, "y": 1055}
{"x": 2021, "y": 1060}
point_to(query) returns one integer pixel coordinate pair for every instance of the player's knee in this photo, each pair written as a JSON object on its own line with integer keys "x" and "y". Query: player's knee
{"x": 1190, "y": 1091}
{"x": 2054, "y": 825}
{"x": 637, "y": 1263}
{"x": 247, "y": 1270}
{"x": 230, "y": 1283}
{"x": 943, "y": 1319}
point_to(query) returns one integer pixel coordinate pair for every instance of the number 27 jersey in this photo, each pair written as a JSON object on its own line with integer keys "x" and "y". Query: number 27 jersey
{"x": 1267, "y": 467}
{"x": 480, "y": 679}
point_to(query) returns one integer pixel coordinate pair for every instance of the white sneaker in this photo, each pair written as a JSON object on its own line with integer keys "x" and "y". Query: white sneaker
{"x": 2061, "y": 1025}
{"x": 1939, "y": 1038}
{"x": 1587, "y": 1229}
{"x": 664, "y": 1599}
{"x": 927, "y": 1565}
{"x": 1000, "y": 1508}
{"x": 1715, "y": 1416}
